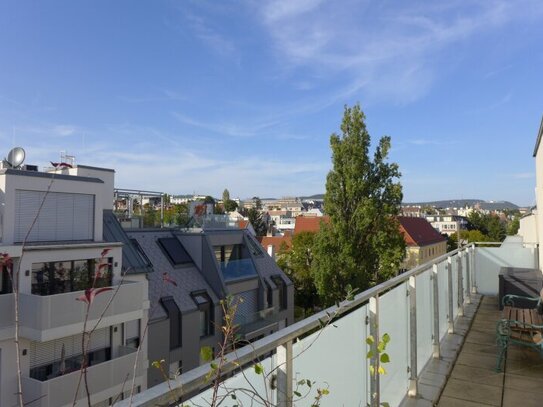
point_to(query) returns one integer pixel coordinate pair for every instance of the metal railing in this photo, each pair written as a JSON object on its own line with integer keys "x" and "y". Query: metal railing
{"x": 452, "y": 279}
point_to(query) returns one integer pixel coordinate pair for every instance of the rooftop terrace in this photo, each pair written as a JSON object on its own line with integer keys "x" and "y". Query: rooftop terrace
{"x": 441, "y": 320}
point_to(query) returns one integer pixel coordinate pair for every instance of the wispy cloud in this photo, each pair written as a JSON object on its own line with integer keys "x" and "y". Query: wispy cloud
{"x": 431, "y": 142}
{"x": 523, "y": 175}
{"x": 210, "y": 36}
{"x": 385, "y": 52}
{"x": 164, "y": 95}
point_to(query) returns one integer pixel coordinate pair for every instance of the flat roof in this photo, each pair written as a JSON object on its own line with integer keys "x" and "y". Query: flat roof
{"x": 38, "y": 174}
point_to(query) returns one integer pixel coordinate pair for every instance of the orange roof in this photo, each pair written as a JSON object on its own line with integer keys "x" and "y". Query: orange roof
{"x": 309, "y": 223}
{"x": 418, "y": 232}
{"x": 276, "y": 242}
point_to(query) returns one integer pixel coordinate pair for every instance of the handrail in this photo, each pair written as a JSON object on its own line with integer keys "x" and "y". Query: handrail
{"x": 192, "y": 381}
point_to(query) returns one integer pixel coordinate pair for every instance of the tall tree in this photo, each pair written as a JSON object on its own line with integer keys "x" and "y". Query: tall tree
{"x": 362, "y": 245}
{"x": 255, "y": 218}
{"x": 225, "y": 196}
{"x": 230, "y": 205}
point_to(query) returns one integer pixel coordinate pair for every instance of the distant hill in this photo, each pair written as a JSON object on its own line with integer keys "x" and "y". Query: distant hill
{"x": 317, "y": 196}
{"x": 460, "y": 203}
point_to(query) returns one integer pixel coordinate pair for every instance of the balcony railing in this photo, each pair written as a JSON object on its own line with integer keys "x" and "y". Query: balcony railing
{"x": 41, "y": 315}
{"x": 417, "y": 309}
{"x": 105, "y": 380}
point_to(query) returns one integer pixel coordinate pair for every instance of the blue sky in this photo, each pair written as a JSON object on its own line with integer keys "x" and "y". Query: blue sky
{"x": 198, "y": 96}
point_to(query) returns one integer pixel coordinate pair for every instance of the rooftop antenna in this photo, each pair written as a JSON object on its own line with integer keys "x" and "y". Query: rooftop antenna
{"x": 15, "y": 157}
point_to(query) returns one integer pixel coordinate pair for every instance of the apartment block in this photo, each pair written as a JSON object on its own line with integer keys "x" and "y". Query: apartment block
{"x": 52, "y": 226}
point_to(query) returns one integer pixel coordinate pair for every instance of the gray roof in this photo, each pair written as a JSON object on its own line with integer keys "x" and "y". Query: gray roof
{"x": 113, "y": 232}
{"x": 37, "y": 174}
{"x": 187, "y": 277}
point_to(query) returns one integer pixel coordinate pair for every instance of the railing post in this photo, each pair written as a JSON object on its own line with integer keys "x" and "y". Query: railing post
{"x": 460, "y": 275}
{"x": 375, "y": 391}
{"x": 473, "y": 269}
{"x": 413, "y": 371}
{"x": 450, "y": 316}
{"x": 468, "y": 276}
{"x": 435, "y": 331}
{"x": 284, "y": 375}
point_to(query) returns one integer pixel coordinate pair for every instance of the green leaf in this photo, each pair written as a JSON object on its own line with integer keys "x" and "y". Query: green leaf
{"x": 297, "y": 393}
{"x": 386, "y": 338}
{"x": 206, "y": 353}
{"x": 233, "y": 395}
{"x": 258, "y": 368}
{"x": 369, "y": 355}
{"x": 372, "y": 369}
{"x": 381, "y": 347}
{"x": 381, "y": 370}
{"x": 213, "y": 366}
{"x": 384, "y": 358}
{"x": 370, "y": 340}
{"x": 308, "y": 382}
{"x": 301, "y": 382}
{"x": 385, "y": 404}
{"x": 325, "y": 391}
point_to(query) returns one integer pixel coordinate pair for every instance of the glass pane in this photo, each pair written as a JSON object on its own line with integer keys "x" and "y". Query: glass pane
{"x": 425, "y": 318}
{"x": 336, "y": 357}
{"x": 394, "y": 320}
{"x": 443, "y": 288}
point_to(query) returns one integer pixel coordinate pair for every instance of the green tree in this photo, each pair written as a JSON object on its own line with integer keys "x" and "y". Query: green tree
{"x": 513, "y": 226}
{"x": 496, "y": 228}
{"x": 230, "y": 205}
{"x": 225, "y": 196}
{"x": 296, "y": 263}
{"x": 257, "y": 202}
{"x": 209, "y": 200}
{"x": 362, "y": 245}
{"x": 255, "y": 218}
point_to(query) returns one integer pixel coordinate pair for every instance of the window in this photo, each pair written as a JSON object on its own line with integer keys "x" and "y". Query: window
{"x": 254, "y": 247}
{"x": 269, "y": 294}
{"x": 174, "y": 315}
{"x": 282, "y": 287}
{"x": 5, "y": 281}
{"x": 203, "y": 302}
{"x": 68, "y": 276}
{"x": 132, "y": 333}
{"x": 141, "y": 253}
{"x": 174, "y": 250}
{"x": 63, "y": 216}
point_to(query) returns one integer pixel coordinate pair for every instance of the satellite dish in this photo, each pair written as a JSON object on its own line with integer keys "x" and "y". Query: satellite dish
{"x": 16, "y": 157}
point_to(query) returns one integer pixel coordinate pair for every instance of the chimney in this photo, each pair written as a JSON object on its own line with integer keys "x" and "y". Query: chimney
{"x": 271, "y": 251}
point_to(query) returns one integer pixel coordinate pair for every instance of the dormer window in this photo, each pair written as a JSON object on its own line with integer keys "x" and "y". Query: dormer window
{"x": 203, "y": 302}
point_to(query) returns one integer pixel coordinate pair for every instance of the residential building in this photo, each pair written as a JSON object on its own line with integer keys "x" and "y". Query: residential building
{"x": 448, "y": 224}
{"x": 309, "y": 223}
{"x": 423, "y": 242}
{"x": 53, "y": 227}
{"x": 194, "y": 271}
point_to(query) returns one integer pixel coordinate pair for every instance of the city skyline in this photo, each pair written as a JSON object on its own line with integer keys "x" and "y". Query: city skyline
{"x": 199, "y": 96}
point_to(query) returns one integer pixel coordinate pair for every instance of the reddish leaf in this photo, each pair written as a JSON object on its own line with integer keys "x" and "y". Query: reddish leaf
{"x": 91, "y": 293}
{"x": 101, "y": 266}
{"x": 104, "y": 252}
{"x": 168, "y": 279}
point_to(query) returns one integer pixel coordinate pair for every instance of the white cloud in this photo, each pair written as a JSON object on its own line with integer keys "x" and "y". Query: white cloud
{"x": 387, "y": 52}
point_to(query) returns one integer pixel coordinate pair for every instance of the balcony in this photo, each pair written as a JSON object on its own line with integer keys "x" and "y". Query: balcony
{"x": 105, "y": 380}
{"x": 426, "y": 311}
{"x": 48, "y": 317}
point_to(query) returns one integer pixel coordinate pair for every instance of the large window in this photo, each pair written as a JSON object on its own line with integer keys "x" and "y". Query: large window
{"x": 203, "y": 302}
{"x": 234, "y": 261}
{"x": 67, "y": 276}
{"x": 174, "y": 250}
{"x": 174, "y": 315}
